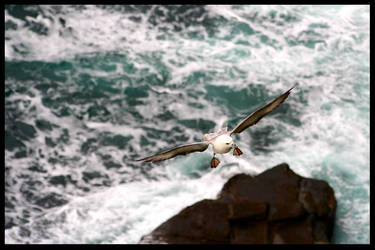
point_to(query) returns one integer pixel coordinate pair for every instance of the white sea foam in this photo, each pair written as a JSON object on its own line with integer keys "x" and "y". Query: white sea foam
{"x": 122, "y": 213}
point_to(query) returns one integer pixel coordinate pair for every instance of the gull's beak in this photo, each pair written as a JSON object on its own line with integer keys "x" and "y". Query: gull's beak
{"x": 236, "y": 150}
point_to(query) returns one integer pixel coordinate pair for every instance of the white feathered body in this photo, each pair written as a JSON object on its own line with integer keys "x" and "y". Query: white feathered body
{"x": 222, "y": 144}
{"x": 221, "y": 141}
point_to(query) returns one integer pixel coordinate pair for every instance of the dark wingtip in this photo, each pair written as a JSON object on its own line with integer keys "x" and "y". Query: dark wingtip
{"x": 288, "y": 92}
{"x": 292, "y": 88}
{"x": 143, "y": 159}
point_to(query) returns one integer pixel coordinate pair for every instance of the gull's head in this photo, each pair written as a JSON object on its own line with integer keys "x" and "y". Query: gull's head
{"x": 223, "y": 144}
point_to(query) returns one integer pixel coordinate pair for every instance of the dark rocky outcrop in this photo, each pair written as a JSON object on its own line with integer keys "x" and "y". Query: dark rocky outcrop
{"x": 276, "y": 206}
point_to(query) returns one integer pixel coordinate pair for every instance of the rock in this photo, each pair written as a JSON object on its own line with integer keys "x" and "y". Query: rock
{"x": 246, "y": 209}
{"x": 249, "y": 232}
{"x": 296, "y": 231}
{"x": 277, "y": 186}
{"x": 317, "y": 197}
{"x": 207, "y": 218}
{"x": 275, "y": 207}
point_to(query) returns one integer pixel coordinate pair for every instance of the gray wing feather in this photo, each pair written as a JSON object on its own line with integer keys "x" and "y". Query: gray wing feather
{"x": 180, "y": 150}
{"x": 253, "y": 118}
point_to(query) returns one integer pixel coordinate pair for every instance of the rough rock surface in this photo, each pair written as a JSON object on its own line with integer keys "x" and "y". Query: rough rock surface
{"x": 276, "y": 206}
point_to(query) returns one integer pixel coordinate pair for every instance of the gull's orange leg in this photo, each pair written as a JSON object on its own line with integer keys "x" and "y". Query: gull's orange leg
{"x": 214, "y": 162}
{"x": 236, "y": 150}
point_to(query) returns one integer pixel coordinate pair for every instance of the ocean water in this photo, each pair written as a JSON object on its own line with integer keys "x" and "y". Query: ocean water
{"x": 89, "y": 89}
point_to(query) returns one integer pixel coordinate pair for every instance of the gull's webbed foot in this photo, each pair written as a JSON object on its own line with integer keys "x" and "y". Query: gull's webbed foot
{"x": 236, "y": 150}
{"x": 214, "y": 162}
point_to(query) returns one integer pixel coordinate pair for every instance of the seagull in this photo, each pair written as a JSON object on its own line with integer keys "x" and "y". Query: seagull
{"x": 221, "y": 141}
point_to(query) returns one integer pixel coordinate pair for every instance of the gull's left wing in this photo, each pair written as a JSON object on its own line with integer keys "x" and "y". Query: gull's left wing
{"x": 253, "y": 118}
{"x": 180, "y": 150}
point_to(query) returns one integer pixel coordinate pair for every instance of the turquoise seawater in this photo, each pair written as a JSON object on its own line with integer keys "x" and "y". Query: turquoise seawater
{"x": 89, "y": 89}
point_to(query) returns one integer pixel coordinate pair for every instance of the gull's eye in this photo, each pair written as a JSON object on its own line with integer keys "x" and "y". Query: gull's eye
{"x": 227, "y": 143}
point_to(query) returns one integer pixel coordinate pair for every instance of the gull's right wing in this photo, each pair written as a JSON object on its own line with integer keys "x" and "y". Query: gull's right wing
{"x": 253, "y": 118}
{"x": 180, "y": 150}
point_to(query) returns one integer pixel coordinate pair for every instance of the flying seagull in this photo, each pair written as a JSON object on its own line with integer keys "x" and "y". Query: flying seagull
{"x": 221, "y": 141}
